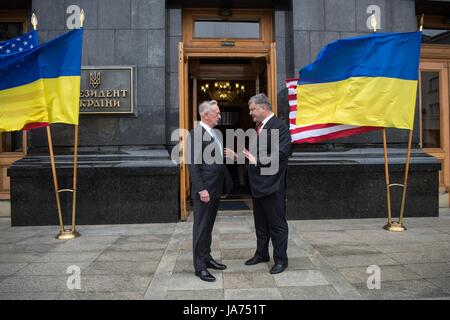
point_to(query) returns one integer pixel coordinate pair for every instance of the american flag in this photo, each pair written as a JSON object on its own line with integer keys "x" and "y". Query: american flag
{"x": 21, "y": 43}
{"x": 316, "y": 132}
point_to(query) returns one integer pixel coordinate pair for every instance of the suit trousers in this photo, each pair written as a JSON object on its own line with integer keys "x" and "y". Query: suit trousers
{"x": 204, "y": 217}
{"x": 269, "y": 213}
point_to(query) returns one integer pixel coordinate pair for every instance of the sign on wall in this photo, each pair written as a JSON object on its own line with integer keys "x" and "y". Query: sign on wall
{"x": 107, "y": 90}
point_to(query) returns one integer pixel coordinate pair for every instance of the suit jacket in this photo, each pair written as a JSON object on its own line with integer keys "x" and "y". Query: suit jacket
{"x": 264, "y": 185}
{"x": 213, "y": 177}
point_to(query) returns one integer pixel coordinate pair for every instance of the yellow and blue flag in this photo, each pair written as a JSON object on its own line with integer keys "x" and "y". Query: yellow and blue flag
{"x": 362, "y": 81}
{"x": 42, "y": 84}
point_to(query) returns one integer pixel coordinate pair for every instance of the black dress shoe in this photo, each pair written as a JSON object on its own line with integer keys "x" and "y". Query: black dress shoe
{"x": 278, "y": 268}
{"x": 255, "y": 260}
{"x": 213, "y": 264}
{"x": 205, "y": 275}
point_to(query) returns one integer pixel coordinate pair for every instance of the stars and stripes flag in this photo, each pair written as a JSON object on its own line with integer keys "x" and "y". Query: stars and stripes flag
{"x": 19, "y": 44}
{"x": 316, "y": 132}
{"x": 41, "y": 85}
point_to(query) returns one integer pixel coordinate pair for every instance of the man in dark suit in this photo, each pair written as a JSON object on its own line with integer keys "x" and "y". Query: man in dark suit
{"x": 209, "y": 181}
{"x": 266, "y": 172}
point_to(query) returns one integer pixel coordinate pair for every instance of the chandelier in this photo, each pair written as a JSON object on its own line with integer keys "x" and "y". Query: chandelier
{"x": 223, "y": 90}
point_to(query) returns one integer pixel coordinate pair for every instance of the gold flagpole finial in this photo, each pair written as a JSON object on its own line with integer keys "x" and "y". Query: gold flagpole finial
{"x": 34, "y": 21}
{"x": 373, "y": 22}
{"x": 82, "y": 18}
{"x": 421, "y": 23}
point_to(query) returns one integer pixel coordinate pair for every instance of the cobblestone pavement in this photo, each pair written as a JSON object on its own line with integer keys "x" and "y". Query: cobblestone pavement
{"x": 328, "y": 259}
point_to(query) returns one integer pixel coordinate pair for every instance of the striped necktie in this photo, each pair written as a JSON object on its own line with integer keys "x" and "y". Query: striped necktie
{"x": 213, "y": 135}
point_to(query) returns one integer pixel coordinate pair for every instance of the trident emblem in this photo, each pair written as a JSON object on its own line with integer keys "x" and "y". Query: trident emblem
{"x": 95, "y": 79}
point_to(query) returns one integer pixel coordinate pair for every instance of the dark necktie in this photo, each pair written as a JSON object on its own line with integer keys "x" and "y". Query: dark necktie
{"x": 258, "y": 128}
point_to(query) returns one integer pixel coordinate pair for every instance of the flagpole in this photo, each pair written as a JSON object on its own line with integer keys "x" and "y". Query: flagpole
{"x": 69, "y": 233}
{"x": 408, "y": 157}
{"x": 55, "y": 179}
{"x": 34, "y": 22}
{"x": 386, "y": 170}
{"x": 75, "y": 159}
{"x": 74, "y": 191}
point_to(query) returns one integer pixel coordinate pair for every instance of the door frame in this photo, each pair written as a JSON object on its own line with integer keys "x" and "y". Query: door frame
{"x": 183, "y": 89}
{"x": 443, "y": 152}
{"x": 192, "y": 47}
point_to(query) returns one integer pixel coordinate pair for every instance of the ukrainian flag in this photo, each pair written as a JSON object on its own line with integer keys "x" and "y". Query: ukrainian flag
{"x": 362, "y": 81}
{"x": 41, "y": 84}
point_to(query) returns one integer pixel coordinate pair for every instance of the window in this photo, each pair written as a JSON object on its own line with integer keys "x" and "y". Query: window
{"x": 243, "y": 28}
{"x": 227, "y": 29}
{"x": 431, "y": 124}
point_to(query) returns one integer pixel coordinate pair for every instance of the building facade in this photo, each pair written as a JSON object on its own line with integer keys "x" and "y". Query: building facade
{"x": 148, "y": 63}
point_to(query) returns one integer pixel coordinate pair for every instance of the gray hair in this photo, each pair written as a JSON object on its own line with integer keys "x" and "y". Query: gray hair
{"x": 205, "y": 106}
{"x": 262, "y": 100}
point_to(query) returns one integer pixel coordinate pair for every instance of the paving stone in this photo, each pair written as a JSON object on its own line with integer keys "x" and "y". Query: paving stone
{"x": 8, "y": 269}
{"x": 189, "y": 281}
{"x": 296, "y": 252}
{"x": 409, "y": 247}
{"x": 50, "y": 269}
{"x": 388, "y": 273}
{"x": 29, "y": 295}
{"x": 111, "y": 255}
{"x": 235, "y": 229}
{"x": 103, "y": 231}
{"x": 184, "y": 266}
{"x": 121, "y": 268}
{"x": 343, "y": 250}
{"x": 33, "y": 283}
{"x": 235, "y": 254}
{"x": 330, "y": 237}
{"x": 408, "y": 289}
{"x": 361, "y": 260}
{"x": 195, "y": 295}
{"x": 152, "y": 229}
{"x": 75, "y": 256}
{"x": 300, "y": 278}
{"x": 239, "y": 266}
{"x": 237, "y": 236}
{"x": 81, "y": 247}
{"x": 421, "y": 257}
{"x": 239, "y": 280}
{"x": 27, "y": 248}
{"x": 114, "y": 283}
{"x": 300, "y": 263}
{"x": 430, "y": 270}
{"x": 187, "y": 245}
{"x": 442, "y": 283}
{"x": 187, "y": 255}
{"x": 238, "y": 244}
{"x": 309, "y": 293}
{"x": 253, "y": 294}
{"x": 41, "y": 240}
{"x": 140, "y": 246}
{"x": 307, "y": 226}
{"x": 76, "y": 295}
{"x": 19, "y": 257}
{"x": 160, "y": 238}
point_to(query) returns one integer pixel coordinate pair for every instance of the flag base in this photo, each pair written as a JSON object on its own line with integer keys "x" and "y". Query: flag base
{"x": 67, "y": 235}
{"x": 395, "y": 227}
